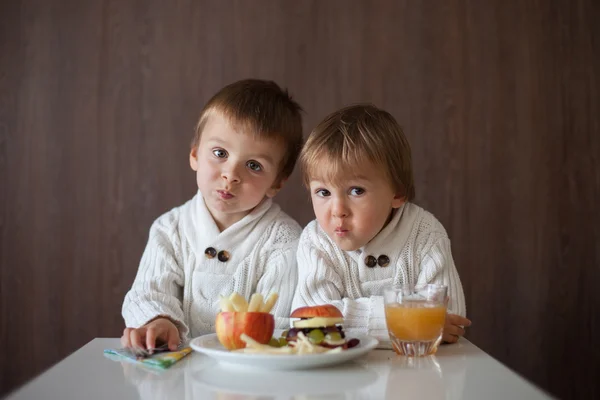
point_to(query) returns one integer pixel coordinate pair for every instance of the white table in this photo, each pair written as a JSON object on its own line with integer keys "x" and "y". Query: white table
{"x": 459, "y": 371}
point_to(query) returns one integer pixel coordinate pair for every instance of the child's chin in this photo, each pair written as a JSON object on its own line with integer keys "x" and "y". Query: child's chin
{"x": 346, "y": 245}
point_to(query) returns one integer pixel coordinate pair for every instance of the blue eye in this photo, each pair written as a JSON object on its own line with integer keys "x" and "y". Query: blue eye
{"x": 356, "y": 191}
{"x": 254, "y": 166}
{"x": 220, "y": 153}
{"x": 322, "y": 192}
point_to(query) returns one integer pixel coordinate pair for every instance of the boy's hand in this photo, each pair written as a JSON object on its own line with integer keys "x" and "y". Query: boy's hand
{"x": 162, "y": 329}
{"x": 453, "y": 328}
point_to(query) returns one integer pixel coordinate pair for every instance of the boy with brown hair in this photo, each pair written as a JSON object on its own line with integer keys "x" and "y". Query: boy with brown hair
{"x": 230, "y": 237}
{"x": 367, "y": 233}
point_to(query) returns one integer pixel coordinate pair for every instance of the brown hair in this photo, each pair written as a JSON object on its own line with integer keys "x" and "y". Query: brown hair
{"x": 263, "y": 109}
{"x": 347, "y": 138}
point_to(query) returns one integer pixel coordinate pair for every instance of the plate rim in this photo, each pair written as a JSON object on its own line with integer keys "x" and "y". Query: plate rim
{"x": 227, "y": 356}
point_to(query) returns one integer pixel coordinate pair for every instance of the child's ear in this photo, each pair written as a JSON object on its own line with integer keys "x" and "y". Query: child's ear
{"x": 273, "y": 190}
{"x": 398, "y": 200}
{"x": 194, "y": 158}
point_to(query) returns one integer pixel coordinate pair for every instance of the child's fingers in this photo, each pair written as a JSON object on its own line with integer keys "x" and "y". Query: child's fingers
{"x": 448, "y": 338}
{"x": 454, "y": 330}
{"x": 173, "y": 340}
{"x": 135, "y": 337}
{"x": 150, "y": 339}
{"x": 125, "y": 338}
{"x": 172, "y": 336}
{"x": 455, "y": 319}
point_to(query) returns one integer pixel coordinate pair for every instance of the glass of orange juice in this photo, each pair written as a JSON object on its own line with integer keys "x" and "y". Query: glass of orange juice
{"x": 415, "y": 318}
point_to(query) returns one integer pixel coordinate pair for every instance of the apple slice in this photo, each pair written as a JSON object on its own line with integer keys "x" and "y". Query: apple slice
{"x": 317, "y": 322}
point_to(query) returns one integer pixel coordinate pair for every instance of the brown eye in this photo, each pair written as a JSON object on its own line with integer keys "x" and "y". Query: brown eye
{"x": 254, "y": 166}
{"x": 220, "y": 153}
{"x": 356, "y": 191}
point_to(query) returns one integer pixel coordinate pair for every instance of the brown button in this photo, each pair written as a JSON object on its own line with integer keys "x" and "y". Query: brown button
{"x": 223, "y": 256}
{"x": 210, "y": 252}
{"x": 383, "y": 260}
{"x": 370, "y": 261}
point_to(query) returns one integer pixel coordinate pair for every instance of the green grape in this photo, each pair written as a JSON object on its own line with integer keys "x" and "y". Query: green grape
{"x": 316, "y": 336}
{"x": 274, "y": 342}
{"x": 282, "y": 342}
{"x": 284, "y": 334}
{"x": 333, "y": 337}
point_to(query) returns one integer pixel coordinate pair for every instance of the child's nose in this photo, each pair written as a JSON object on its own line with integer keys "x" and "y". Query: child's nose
{"x": 340, "y": 210}
{"x": 231, "y": 175}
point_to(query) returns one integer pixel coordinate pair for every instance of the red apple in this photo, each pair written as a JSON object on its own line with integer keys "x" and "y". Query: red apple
{"x": 230, "y": 326}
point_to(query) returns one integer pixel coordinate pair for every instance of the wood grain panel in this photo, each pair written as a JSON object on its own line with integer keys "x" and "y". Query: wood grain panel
{"x": 500, "y": 101}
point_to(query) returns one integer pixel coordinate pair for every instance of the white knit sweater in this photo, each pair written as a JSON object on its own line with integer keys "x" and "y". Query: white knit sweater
{"x": 419, "y": 252}
{"x": 176, "y": 278}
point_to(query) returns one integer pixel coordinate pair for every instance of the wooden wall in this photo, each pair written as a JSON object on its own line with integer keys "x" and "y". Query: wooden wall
{"x": 500, "y": 100}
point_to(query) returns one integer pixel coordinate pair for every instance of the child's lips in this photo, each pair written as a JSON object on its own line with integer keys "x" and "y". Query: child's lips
{"x": 339, "y": 231}
{"x": 225, "y": 195}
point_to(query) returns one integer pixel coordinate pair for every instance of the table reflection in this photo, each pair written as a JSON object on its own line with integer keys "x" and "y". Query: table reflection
{"x": 430, "y": 377}
{"x": 197, "y": 378}
{"x": 380, "y": 374}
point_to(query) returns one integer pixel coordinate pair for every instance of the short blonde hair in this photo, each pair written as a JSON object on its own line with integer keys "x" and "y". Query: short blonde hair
{"x": 345, "y": 139}
{"x": 262, "y": 109}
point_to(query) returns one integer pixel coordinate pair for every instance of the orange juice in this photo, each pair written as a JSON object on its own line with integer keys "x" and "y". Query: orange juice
{"x": 415, "y": 320}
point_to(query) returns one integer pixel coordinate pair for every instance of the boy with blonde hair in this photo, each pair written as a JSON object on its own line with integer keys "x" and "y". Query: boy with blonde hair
{"x": 367, "y": 233}
{"x": 230, "y": 237}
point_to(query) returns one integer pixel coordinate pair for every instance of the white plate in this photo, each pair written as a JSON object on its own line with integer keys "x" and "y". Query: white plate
{"x": 209, "y": 345}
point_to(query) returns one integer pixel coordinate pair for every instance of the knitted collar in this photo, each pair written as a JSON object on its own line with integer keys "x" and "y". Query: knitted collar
{"x": 203, "y": 232}
{"x": 391, "y": 239}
